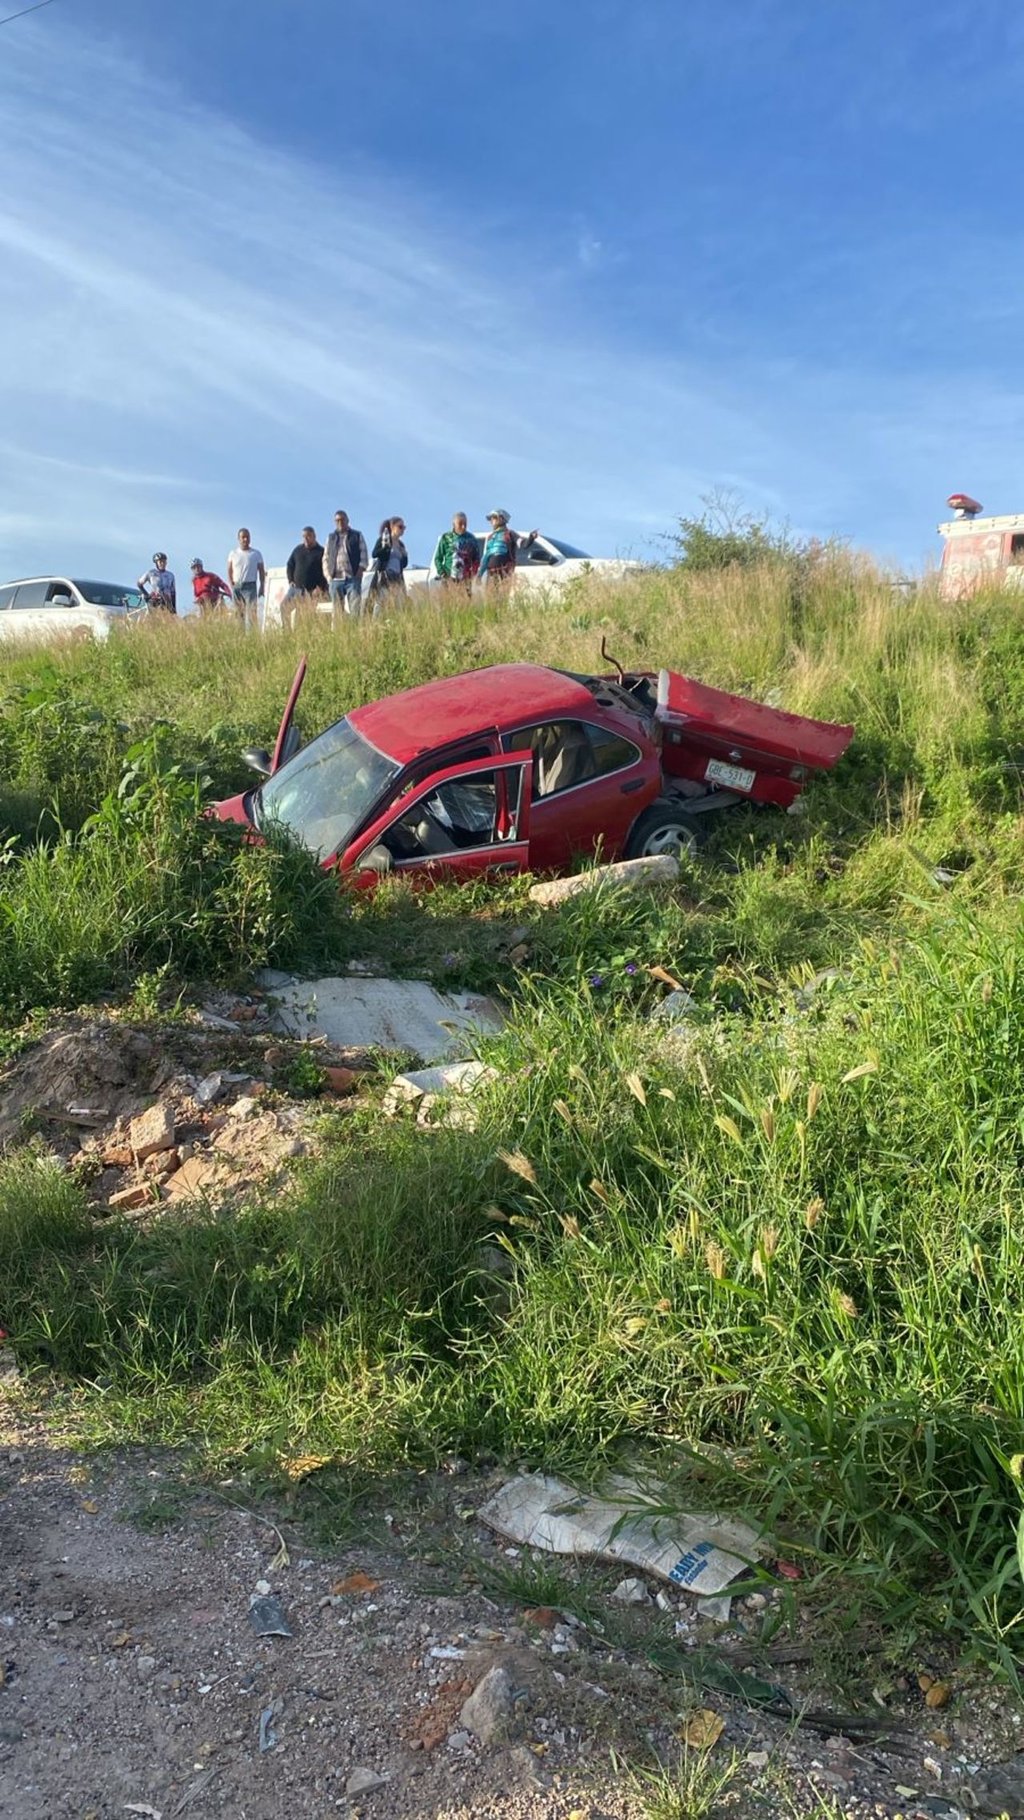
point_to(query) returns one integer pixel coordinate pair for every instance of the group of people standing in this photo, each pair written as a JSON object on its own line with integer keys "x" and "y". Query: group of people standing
{"x": 247, "y": 581}
{"x": 337, "y": 571}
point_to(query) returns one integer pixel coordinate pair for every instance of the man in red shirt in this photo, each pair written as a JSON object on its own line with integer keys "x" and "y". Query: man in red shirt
{"x": 208, "y": 588}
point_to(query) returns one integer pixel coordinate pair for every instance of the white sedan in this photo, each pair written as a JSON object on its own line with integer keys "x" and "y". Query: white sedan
{"x": 548, "y": 562}
{"x": 51, "y": 606}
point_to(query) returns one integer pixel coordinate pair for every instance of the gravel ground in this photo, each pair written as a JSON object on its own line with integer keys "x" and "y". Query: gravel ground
{"x": 134, "y": 1681}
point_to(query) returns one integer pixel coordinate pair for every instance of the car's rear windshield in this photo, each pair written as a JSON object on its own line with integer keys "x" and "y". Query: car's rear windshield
{"x": 110, "y": 594}
{"x": 322, "y": 794}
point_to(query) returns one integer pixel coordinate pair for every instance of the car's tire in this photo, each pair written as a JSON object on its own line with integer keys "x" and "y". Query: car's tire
{"x": 665, "y": 828}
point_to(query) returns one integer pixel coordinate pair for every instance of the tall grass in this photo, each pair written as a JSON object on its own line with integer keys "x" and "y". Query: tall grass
{"x": 778, "y": 1248}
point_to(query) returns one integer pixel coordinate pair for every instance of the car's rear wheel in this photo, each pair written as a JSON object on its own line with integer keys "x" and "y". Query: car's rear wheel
{"x": 665, "y": 828}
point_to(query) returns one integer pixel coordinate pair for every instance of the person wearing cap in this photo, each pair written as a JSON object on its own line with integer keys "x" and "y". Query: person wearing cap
{"x": 498, "y": 562}
{"x": 158, "y": 585}
{"x": 208, "y": 588}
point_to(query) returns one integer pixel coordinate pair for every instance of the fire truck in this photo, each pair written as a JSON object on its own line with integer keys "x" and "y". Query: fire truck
{"x": 979, "y": 552}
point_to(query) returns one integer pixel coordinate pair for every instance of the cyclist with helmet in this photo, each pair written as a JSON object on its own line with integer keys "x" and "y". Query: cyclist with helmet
{"x": 157, "y": 585}
{"x": 208, "y": 588}
{"x": 498, "y": 562}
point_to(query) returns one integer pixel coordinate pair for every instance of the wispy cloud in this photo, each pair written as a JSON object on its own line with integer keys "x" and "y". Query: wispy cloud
{"x": 203, "y": 329}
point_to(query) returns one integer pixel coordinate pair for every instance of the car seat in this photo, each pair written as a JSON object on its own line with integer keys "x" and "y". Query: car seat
{"x": 564, "y": 758}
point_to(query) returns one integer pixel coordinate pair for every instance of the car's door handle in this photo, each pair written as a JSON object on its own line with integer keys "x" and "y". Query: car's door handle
{"x": 637, "y": 784}
{"x": 504, "y": 865}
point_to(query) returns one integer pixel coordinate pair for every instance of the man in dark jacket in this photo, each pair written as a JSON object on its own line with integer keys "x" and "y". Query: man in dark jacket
{"x": 345, "y": 561}
{"x": 305, "y": 573}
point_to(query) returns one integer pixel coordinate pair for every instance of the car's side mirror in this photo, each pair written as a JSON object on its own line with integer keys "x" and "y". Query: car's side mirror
{"x": 375, "y": 859}
{"x": 257, "y": 760}
{"x": 61, "y": 600}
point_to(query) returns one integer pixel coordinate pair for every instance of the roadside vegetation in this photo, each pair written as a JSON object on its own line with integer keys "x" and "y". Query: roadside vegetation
{"x": 774, "y": 1253}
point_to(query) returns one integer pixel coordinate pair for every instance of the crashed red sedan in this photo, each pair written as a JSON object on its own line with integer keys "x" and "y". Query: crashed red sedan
{"x": 521, "y": 768}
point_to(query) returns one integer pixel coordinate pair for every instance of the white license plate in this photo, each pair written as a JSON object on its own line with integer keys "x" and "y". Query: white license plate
{"x": 732, "y": 775}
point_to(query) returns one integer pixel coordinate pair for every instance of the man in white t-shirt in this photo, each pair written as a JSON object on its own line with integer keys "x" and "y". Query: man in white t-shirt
{"x": 247, "y": 577}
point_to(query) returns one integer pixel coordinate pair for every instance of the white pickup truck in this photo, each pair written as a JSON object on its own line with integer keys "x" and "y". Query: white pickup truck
{"x": 549, "y": 562}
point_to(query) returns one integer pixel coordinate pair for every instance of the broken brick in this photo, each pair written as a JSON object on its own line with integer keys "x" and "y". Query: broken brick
{"x": 135, "y": 1196}
{"x": 152, "y": 1131}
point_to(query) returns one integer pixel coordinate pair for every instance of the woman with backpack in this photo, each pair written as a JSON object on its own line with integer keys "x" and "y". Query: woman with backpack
{"x": 457, "y": 556}
{"x": 390, "y": 558}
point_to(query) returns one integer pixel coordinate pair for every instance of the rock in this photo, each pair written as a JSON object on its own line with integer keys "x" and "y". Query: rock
{"x": 152, "y": 1131}
{"x": 209, "y": 1089}
{"x": 659, "y": 868}
{"x": 490, "y": 1710}
{"x": 194, "y": 1177}
{"x": 145, "y": 1667}
{"x": 340, "y": 1081}
{"x": 243, "y": 1108}
{"x": 135, "y": 1196}
{"x": 116, "y": 1156}
{"x": 678, "y": 1005}
{"x": 428, "y": 1084}
{"x": 364, "y": 1782}
{"x": 757, "y": 1759}
{"x": 630, "y": 1592}
{"x": 460, "y": 1740}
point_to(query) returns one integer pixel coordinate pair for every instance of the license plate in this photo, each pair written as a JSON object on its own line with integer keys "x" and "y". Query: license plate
{"x": 732, "y": 775}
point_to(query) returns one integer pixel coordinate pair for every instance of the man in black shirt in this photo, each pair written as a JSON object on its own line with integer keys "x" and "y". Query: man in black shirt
{"x": 305, "y": 576}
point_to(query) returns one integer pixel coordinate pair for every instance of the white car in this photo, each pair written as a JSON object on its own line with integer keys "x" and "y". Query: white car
{"x": 549, "y": 562}
{"x": 50, "y": 606}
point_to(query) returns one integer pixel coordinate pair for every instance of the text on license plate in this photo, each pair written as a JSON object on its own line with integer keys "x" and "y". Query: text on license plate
{"x": 733, "y": 775}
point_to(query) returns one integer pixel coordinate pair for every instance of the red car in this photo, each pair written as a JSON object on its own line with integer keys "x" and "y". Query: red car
{"x": 521, "y": 768}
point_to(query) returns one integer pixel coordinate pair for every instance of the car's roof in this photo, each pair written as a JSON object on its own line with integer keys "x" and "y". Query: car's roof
{"x": 455, "y": 707}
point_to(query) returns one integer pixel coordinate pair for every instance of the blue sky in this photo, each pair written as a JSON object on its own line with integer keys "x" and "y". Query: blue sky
{"x": 589, "y": 262}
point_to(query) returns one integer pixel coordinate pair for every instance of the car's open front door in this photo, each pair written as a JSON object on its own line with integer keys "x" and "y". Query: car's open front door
{"x": 467, "y": 821}
{"x": 282, "y": 745}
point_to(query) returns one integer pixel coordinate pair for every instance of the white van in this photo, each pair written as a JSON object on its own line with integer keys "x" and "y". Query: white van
{"x": 49, "y": 606}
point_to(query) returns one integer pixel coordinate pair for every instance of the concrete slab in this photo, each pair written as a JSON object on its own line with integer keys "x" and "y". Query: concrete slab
{"x": 359, "y": 1013}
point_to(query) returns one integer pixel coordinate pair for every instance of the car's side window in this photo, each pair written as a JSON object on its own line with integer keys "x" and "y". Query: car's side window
{"x": 457, "y": 817}
{"x": 570, "y": 752}
{"x": 611, "y": 751}
{"x": 7, "y": 598}
{"x": 58, "y": 588}
{"x": 31, "y": 594}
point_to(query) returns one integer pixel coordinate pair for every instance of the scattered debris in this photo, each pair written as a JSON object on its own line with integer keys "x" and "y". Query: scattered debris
{"x": 356, "y": 1582}
{"x": 266, "y": 1615}
{"x": 440, "y": 1095}
{"x": 136, "y": 1195}
{"x": 364, "y": 1782}
{"x": 675, "y": 1008}
{"x": 365, "y": 1013}
{"x": 695, "y": 1552}
{"x": 702, "y": 1730}
{"x": 658, "y": 869}
{"x": 152, "y": 1131}
{"x": 717, "y": 1606}
{"x": 267, "y": 1734}
{"x": 490, "y": 1710}
{"x": 631, "y": 1592}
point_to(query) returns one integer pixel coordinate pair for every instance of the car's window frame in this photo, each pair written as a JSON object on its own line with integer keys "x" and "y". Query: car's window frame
{"x": 598, "y": 777}
{"x": 10, "y": 588}
{"x": 352, "y": 858}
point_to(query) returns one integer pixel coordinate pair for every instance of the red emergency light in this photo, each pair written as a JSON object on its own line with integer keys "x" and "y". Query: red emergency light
{"x": 963, "y": 505}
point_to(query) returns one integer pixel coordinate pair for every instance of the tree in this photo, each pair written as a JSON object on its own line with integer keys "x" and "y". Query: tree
{"x": 725, "y": 536}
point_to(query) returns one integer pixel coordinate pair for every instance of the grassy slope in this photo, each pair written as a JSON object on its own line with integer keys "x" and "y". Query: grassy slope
{"x": 795, "y": 1235}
